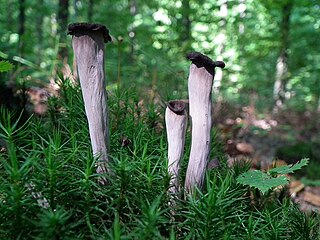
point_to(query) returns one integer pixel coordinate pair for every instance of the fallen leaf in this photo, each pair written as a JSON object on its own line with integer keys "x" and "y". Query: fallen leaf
{"x": 245, "y": 148}
{"x": 312, "y": 198}
{"x": 295, "y": 187}
{"x": 279, "y": 163}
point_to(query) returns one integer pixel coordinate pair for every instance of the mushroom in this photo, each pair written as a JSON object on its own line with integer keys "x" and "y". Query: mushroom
{"x": 88, "y": 46}
{"x": 176, "y": 123}
{"x": 199, "y": 87}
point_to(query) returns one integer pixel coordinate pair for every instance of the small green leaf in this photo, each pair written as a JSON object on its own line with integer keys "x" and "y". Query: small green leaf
{"x": 5, "y": 66}
{"x": 290, "y": 168}
{"x": 261, "y": 180}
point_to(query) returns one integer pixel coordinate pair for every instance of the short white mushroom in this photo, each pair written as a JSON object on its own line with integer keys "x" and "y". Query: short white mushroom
{"x": 200, "y": 82}
{"x": 176, "y": 123}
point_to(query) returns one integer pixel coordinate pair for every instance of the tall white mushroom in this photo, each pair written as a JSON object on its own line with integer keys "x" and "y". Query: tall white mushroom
{"x": 200, "y": 82}
{"x": 88, "y": 46}
{"x": 176, "y": 123}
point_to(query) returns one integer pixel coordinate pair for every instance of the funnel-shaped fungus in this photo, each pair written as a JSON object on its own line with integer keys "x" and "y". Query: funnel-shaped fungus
{"x": 199, "y": 87}
{"x": 88, "y": 46}
{"x": 176, "y": 123}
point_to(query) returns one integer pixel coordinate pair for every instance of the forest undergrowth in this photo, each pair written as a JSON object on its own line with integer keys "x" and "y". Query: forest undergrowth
{"x": 49, "y": 188}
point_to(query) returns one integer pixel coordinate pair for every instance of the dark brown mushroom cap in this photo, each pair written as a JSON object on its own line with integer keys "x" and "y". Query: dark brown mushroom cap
{"x": 201, "y": 60}
{"x": 177, "y": 106}
{"x": 85, "y": 28}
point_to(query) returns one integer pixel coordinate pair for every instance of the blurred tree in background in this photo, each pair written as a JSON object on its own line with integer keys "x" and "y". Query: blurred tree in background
{"x": 271, "y": 47}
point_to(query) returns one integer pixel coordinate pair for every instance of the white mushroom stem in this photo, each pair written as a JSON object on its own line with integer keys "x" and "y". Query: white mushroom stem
{"x": 88, "y": 45}
{"x": 176, "y": 123}
{"x": 199, "y": 87}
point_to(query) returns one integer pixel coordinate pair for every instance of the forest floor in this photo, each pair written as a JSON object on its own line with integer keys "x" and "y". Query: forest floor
{"x": 266, "y": 140}
{"x": 274, "y": 139}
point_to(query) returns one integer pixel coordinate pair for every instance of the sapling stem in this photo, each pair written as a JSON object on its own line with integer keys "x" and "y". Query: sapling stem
{"x": 200, "y": 82}
{"x": 88, "y": 46}
{"x": 176, "y": 123}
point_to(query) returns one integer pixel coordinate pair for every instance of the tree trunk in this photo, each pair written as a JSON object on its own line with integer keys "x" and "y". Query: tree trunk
{"x": 222, "y": 45}
{"x": 242, "y": 10}
{"x": 21, "y": 30}
{"x": 62, "y": 20}
{"x": 39, "y": 21}
{"x": 282, "y": 62}
{"x": 186, "y": 21}
{"x": 90, "y": 10}
{"x": 133, "y": 6}
{"x": 9, "y": 19}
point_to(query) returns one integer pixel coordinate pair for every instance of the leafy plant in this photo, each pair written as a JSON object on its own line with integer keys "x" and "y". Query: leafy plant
{"x": 50, "y": 159}
{"x": 271, "y": 179}
{"x": 5, "y": 66}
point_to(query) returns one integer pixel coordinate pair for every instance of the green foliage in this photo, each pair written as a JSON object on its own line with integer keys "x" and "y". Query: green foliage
{"x": 53, "y": 224}
{"x": 312, "y": 171}
{"x": 5, "y": 66}
{"x": 289, "y": 168}
{"x": 48, "y": 184}
{"x": 157, "y": 34}
{"x": 221, "y": 204}
{"x": 262, "y": 181}
{"x": 269, "y": 180}
{"x": 295, "y": 152}
{"x": 49, "y": 187}
{"x": 310, "y": 182}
